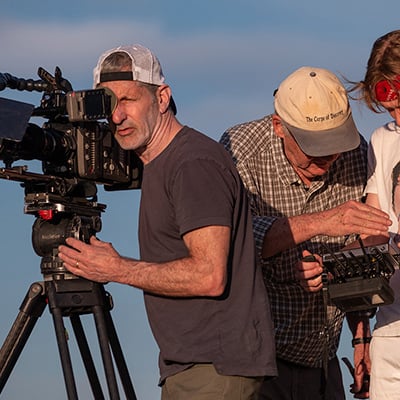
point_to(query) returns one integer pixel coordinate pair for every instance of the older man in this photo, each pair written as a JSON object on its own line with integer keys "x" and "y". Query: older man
{"x": 304, "y": 168}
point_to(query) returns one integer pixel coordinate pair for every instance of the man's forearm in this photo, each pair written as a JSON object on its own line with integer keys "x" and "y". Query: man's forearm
{"x": 286, "y": 233}
{"x": 358, "y": 323}
{"x": 347, "y": 218}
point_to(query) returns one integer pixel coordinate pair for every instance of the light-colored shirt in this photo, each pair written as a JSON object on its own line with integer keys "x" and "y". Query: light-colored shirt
{"x": 384, "y": 173}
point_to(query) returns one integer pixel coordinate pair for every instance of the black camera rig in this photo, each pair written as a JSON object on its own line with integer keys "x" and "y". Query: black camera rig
{"x": 72, "y": 144}
{"x": 77, "y": 153}
{"x": 358, "y": 279}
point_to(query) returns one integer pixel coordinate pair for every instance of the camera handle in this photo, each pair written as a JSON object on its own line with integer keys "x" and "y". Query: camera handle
{"x": 70, "y": 298}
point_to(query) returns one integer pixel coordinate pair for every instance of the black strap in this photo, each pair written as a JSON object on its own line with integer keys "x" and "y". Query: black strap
{"x": 360, "y": 340}
{"x": 116, "y": 76}
{"x": 325, "y": 352}
{"x": 325, "y": 296}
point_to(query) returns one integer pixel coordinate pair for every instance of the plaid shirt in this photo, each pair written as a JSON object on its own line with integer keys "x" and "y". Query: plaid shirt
{"x": 275, "y": 190}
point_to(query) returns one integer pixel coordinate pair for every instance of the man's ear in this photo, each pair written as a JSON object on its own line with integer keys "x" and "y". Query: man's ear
{"x": 279, "y": 128}
{"x": 164, "y": 95}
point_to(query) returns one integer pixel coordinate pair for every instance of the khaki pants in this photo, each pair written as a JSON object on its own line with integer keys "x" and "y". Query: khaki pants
{"x": 202, "y": 382}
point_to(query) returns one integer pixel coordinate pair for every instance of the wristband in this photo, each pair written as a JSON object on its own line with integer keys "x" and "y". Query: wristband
{"x": 360, "y": 340}
{"x": 364, "y": 313}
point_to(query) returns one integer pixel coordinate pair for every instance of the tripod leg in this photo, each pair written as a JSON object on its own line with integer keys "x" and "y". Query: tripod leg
{"x": 86, "y": 357}
{"x": 64, "y": 353}
{"x": 31, "y": 309}
{"x": 102, "y": 334}
{"x": 119, "y": 358}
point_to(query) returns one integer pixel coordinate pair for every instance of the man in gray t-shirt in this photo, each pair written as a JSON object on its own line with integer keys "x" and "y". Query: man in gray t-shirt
{"x": 204, "y": 294}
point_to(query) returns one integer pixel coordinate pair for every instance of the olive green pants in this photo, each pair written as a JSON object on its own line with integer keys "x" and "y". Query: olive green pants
{"x": 202, "y": 382}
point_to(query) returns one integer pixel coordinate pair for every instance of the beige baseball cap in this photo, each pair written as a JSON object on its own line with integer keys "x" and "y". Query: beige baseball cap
{"x": 314, "y": 106}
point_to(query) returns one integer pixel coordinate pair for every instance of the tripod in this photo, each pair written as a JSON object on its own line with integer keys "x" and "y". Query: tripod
{"x": 67, "y": 296}
{"x": 70, "y": 298}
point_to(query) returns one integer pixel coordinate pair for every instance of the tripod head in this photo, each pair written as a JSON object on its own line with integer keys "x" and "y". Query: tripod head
{"x": 57, "y": 219}
{"x": 63, "y": 208}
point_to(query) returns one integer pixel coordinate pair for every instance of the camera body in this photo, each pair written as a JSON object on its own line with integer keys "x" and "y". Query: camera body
{"x": 85, "y": 150}
{"x": 73, "y": 144}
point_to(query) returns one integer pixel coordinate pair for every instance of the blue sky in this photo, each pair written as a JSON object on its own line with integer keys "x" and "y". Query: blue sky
{"x": 223, "y": 60}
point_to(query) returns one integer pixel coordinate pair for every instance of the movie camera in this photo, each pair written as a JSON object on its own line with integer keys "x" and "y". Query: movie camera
{"x": 77, "y": 153}
{"x": 72, "y": 144}
{"x": 358, "y": 279}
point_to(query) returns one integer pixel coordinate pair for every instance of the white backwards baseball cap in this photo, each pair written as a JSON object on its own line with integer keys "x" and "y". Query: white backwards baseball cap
{"x": 314, "y": 106}
{"x": 146, "y": 68}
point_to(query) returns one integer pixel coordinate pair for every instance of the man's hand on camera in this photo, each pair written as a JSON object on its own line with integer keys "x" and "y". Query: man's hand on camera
{"x": 97, "y": 261}
{"x": 308, "y": 272}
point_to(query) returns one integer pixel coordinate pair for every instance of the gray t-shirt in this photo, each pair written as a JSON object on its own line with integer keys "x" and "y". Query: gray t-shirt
{"x": 193, "y": 184}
